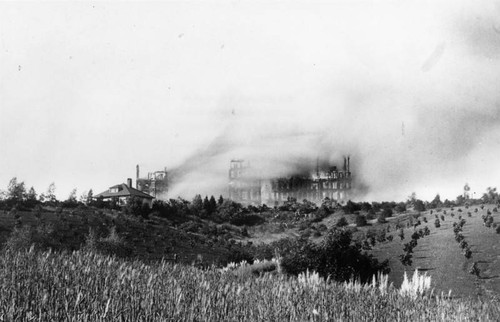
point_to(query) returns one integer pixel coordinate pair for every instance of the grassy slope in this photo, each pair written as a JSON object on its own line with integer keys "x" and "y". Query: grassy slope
{"x": 149, "y": 240}
{"x": 441, "y": 257}
{"x": 438, "y": 253}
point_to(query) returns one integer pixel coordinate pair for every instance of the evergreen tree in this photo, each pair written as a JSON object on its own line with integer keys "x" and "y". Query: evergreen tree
{"x": 206, "y": 205}
{"x": 197, "y": 205}
{"x": 221, "y": 200}
{"x": 31, "y": 194}
{"x": 213, "y": 205}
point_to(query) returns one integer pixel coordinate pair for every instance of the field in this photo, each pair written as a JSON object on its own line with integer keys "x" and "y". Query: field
{"x": 82, "y": 286}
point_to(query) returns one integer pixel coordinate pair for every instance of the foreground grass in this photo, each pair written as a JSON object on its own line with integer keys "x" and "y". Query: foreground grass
{"x": 89, "y": 287}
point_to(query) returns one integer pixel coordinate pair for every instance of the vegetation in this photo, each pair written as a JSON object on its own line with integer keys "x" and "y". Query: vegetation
{"x": 85, "y": 286}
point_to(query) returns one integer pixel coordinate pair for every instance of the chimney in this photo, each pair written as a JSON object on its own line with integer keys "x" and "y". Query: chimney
{"x": 345, "y": 164}
{"x": 348, "y": 164}
{"x": 129, "y": 182}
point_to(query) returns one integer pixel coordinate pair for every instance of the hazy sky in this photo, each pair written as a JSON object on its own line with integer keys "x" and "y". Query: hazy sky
{"x": 409, "y": 89}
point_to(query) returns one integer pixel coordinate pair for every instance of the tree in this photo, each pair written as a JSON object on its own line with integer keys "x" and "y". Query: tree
{"x": 90, "y": 197}
{"x": 342, "y": 222}
{"x": 400, "y": 207}
{"x": 31, "y": 198}
{"x": 411, "y": 199}
{"x": 50, "y": 196}
{"x": 197, "y": 205}
{"x": 213, "y": 205}
{"x": 436, "y": 202}
{"x": 228, "y": 210}
{"x": 491, "y": 195}
{"x": 337, "y": 257}
{"x": 221, "y": 200}
{"x": 16, "y": 191}
{"x": 83, "y": 198}
{"x": 71, "y": 201}
{"x": 360, "y": 221}
{"x": 419, "y": 205}
{"x": 135, "y": 206}
{"x": 387, "y": 212}
{"x": 206, "y": 205}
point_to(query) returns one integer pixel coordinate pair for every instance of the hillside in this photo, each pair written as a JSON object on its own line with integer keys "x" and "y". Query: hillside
{"x": 149, "y": 240}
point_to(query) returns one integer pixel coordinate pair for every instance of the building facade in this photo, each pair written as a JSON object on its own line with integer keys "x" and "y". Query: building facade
{"x": 154, "y": 184}
{"x": 247, "y": 187}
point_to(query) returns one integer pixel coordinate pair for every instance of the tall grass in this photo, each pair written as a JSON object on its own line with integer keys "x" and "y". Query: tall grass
{"x": 85, "y": 286}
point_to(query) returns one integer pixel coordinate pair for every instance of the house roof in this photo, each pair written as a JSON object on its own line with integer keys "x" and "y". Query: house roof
{"x": 123, "y": 191}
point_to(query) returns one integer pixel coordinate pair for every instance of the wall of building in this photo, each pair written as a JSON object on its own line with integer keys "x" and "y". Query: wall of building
{"x": 318, "y": 185}
{"x": 154, "y": 184}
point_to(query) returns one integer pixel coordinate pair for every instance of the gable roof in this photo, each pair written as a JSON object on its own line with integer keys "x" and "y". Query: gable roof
{"x": 125, "y": 191}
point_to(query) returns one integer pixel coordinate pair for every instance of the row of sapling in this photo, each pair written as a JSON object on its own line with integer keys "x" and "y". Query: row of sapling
{"x": 406, "y": 258}
{"x": 460, "y": 239}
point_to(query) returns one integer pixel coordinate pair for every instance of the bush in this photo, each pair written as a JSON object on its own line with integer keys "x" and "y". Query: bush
{"x": 360, "y": 221}
{"x": 336, "y": 257}
{"x": 381, "y": 236}
{"x": 387, "y": 212}
{"x": 24, "y": 237}
{"x": 381, "y": 219}
{"x": 342, "y": 222}
{"x": 112, "y": 244}
{"x": 247, "y": 220}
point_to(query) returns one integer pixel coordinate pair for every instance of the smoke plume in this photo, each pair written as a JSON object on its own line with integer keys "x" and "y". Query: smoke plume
{"x": 420, "y": 117}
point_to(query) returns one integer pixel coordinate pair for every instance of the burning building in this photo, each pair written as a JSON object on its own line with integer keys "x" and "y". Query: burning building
{"x": 247, "y": 187}
{"x": 155, "y": 184}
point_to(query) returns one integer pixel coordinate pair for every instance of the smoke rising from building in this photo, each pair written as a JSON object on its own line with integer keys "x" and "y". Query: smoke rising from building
{"x": 415, "y": 117}
{"x": 408, "y": 89}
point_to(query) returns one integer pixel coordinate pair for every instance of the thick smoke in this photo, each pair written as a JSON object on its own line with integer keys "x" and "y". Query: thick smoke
{"x": 425, "y": 121}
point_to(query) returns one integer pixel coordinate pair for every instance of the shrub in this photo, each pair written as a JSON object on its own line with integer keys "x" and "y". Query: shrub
{"x": 24, "y": 237}
{"x": 342, "y": 222}
{"x": 360, "y": 221}
{"x": 112, "y": 244}
{"x": 437, "y": 223}
{"x": 243, "y": 219}
{"x": 381, "y": 236}
{"x": 406, "y": 258}
{"x": 467, "y": 253}
{"x": 381, "y": 219}
{"x": 415, "y": 235}
{"x": 336, "y": 257}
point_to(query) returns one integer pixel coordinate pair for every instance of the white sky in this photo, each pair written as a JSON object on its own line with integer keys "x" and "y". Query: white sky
{"x": 409, "y": 90}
